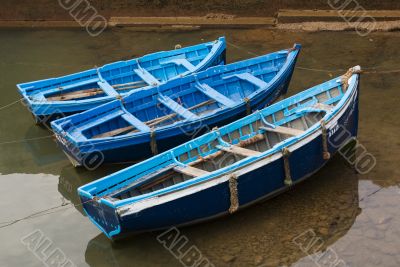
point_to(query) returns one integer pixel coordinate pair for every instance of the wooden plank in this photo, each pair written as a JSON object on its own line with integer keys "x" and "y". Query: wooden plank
{"x": 322, "y": 106}
{"x": 146, "y": 76}
{"x": 214, "y": 94}
{"x": 181, "y": 61}
{"x": 141, "y": 83}
{"x": 75, "y": 95}
{"x": 191, "y": 171}
{"x": 218, "y": 153}
{"x": 176, "y": 107}
{"x": 239, "y": 150}
{"x": 107, "y": 88}
{"x": 283, "y": 130}
{"x": 154, "y": 122}
{"x": 86, "y": 93}
{"x": 157, "y": 181}
{"x": 135, "y": 183}
{"x": 114, "y": 132}
{"x": 138, "y": 124}
{"x": 251, "y": 79}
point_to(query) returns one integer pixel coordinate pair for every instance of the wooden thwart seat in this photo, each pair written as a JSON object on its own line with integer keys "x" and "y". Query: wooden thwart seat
{"x": 181, "y": 61}
{"x": 239, "y": 150}
{"x": 322, "y": 106}
{"x": 174, "y": 106}
{"x": 214, "y": 94}
{"x": 159, "y": 120}
{"x": 107, "y": 88}
{"x": 138, "y": 124}
{"x": 283, "y": 130}
{"x": 191, "y": 171}
{"x": 251, "y": 79}
{"x": 146, "y": 76}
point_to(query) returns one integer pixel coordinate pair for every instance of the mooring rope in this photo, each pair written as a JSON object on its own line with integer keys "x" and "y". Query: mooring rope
{"x": 243, "y": 49}
{"x": 365, "y": 70}
{"x": 10, "y": 104}
{"x": 44, "y": 212}
{"x": 26, "y": 140}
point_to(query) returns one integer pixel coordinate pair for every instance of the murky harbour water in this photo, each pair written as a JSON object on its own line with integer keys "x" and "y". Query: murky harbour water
{"x": 354, "y": 217}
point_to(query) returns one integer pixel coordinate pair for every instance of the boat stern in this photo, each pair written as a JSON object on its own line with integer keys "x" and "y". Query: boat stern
{"x": 33, "y": 105}
{"x": 101, "y": 213}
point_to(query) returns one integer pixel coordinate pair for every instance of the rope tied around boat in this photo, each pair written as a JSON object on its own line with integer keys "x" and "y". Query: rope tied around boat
{"x": 294, "y": 48}
{"x": 248, "y": 106}
{"x": 153, "y": 142}
{"x": 234, "y": 196}
{"x": 345, "y": 77}
{"x": 325, "y": 154}
{"x": 288, "y": 178}
{"x": 120, "y": 98}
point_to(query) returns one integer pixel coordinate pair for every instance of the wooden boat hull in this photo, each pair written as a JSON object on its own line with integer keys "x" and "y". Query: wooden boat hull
{"x": 256, "y": 181}
{"x": 135, "y": 148}
{"x": 41, "y": 97}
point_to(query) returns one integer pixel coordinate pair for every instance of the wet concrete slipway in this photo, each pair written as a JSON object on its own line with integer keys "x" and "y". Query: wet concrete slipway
{"x": 353, "y": 217}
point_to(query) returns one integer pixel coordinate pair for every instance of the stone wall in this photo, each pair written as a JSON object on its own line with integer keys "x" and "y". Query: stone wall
{"x": 51, "y": 9}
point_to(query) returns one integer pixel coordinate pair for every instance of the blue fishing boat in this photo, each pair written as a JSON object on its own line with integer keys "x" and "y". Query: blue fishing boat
{"x": 231, "y": 167}
{"x": 58, "y": 97}
{"x": 150, "y": 121}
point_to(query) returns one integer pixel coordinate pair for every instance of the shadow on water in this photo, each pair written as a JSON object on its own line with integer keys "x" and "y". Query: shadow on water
{"x": 267, "y": 229}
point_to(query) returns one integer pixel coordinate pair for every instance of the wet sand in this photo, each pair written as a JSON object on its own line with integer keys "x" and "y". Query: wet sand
{"x": 354, "y": 215}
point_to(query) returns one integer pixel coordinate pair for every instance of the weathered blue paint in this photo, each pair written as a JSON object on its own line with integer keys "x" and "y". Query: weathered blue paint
{"x": 232, "y": 90}
{"x": 208, "y": 196}
{"x": 149, "y": 70}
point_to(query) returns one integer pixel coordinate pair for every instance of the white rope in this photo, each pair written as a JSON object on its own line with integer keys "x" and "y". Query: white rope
{"x": 320, "y": 70}
{"x": 243, "y": 49}
{"x": 10, "y": 104}
{"x": 26, "y": 140}
{"x": 365, "y": 70}
{"x": 45, "y": 65}
{"x": 45, "y": 212}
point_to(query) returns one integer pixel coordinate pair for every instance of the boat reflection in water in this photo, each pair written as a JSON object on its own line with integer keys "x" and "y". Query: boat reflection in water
{"x": 326, "y": 204}
{"x": 72, "y": 178}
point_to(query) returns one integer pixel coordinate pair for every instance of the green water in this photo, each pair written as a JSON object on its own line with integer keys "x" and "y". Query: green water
{"x": 356, "y": 216}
